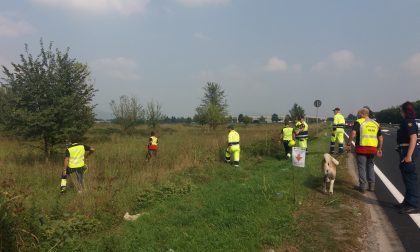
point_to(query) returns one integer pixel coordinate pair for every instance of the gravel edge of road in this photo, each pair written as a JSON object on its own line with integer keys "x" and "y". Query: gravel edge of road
{"x": 380, "y": 236}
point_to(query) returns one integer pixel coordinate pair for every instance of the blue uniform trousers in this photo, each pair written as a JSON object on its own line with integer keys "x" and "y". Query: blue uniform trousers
{"x": 409, "y": 175}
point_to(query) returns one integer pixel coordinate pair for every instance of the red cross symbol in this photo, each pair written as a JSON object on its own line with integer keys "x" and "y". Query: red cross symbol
{"x": 298, "y": 157}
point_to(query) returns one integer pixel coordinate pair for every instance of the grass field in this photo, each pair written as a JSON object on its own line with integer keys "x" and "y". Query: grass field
{"x": 191, "y": 201}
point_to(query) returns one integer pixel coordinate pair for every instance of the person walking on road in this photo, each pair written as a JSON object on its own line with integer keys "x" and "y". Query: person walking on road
{"x": 369, "y": 140}
{"x": 75, "y": 162}
{"x": 286, "y": 136}
{"x": 301, "y": 133}
{"x": 408, "y": 148}
{"x": 152, "y": 146}
{"x": 337, "y": 133}
{"x": 233, "y": 149}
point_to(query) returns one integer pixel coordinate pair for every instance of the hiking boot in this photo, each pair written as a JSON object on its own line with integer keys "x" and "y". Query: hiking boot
{"x": 408, "y": 210}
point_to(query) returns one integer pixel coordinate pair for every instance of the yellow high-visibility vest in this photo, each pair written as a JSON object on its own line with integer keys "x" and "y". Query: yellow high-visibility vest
{"x": 304, "y": 133}
{"x": 287, "y": 133}
{"x": 77, "y": 156}
{"x": 233, "y": 138}
{"x": 339, "y": 121}
{"x": 154, "y": 140}
{"x": 368, "y": 132}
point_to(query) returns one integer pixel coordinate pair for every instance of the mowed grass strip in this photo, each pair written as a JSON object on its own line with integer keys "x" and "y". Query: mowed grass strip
{"x": 264, "y": 205}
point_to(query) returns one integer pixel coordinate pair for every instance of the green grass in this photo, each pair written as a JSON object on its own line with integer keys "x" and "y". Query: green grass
{"x": 248, "y": 209}
{"x": 191, "y": 200}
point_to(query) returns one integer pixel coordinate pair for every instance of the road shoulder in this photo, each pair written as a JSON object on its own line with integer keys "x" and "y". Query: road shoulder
{"x": 380, "y": 235}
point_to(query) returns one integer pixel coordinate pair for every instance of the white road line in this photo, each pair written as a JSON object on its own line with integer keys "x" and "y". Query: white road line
{"x": 393, "y": 190}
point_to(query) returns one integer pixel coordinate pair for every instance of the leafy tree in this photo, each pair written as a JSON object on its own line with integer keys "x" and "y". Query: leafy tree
{"x": 389, "y": 115}
{"x": 296, "y": 111}
{"x": 154, "y": 113}
{"x": 247, "y": 120}
{"x": 128, "y": 112}
{"x": 275, "y": 117}
{"x": 392, "y": 114}
{"x": 262, "y": 119}
{"x": 287, "y": 118}
{"x": 47, "y": 97}
{"x": 213, "y": 107}
{"x": 240, "y": 118}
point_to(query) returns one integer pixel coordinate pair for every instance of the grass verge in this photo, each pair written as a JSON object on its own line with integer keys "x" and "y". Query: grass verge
{"x": 266, "y": 205}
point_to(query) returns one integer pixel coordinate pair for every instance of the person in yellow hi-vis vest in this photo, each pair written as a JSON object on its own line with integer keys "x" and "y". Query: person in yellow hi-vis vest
{"x": 369, "y": 142}
{"x": 286, "y": 136}
{"x": 301, "y": 133}
{"x": 152, "y": 147}
{"x": 75, "y": 162}
{"x": 233, "y": 149}
{"x": 337, "y": 133}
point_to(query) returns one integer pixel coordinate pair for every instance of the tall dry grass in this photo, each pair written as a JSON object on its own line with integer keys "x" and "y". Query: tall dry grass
{"x": 118, "y": 170}
{"x": 118, "y": 173}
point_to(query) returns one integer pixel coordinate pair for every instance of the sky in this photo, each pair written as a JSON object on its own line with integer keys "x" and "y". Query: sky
{"x": 266, "y": 54}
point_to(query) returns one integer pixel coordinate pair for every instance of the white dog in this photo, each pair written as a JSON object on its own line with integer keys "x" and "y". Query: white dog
{"x": 329, "y": 169}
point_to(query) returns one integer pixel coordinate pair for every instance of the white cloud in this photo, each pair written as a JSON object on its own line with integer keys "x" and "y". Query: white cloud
{"x": 125, "y": 7}
{"x": 276, "y": 64}
{"x": 413, "y": 64}
{"x": 342, "y": 60}
{"x": 118, "y": 68}
{"x": 14, "y": 28}
{"x": 194, "y": 3}
{"x": 200, "y": 36}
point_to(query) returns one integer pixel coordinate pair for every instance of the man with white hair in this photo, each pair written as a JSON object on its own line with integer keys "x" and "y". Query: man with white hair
{"x": 369, "y": 140}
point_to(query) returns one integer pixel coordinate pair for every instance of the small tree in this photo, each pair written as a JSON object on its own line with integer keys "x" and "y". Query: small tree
{"x": 296, "y": 111}
{"x": 213, "y": 107}
{"x": 154, "y": 113}
{"x": 128, "y": 112}
{"x": 275, "y": 118}
{"x": 47, "y": 97}
{"x": 262, "y": 119}
{"x": 240, "y": 118}
{"x": 247, "y": 120}
{"x": 287, "y": 118}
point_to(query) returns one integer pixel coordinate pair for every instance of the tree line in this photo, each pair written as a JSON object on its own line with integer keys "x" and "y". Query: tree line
{"x": 48, "y": 97}
{"x": 392, "y": 114}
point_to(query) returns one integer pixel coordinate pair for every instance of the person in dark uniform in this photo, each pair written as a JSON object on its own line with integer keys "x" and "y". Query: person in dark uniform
{"x": 408, "y": 148}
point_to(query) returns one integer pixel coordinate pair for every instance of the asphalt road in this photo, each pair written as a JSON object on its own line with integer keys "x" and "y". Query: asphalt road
{"x": 407, "y": 230}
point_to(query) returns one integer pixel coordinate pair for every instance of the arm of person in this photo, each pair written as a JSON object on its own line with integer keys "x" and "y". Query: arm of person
{"x": 350, "y": 140}
{"x": 66, "y": 164}
{"x": 380, "y": 143}
{"x": 411, "y": 147}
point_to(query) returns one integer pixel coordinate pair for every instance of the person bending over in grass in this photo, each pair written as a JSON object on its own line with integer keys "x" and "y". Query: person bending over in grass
{"x": 75, "y": 162}
{"x": 152, "y": 147}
